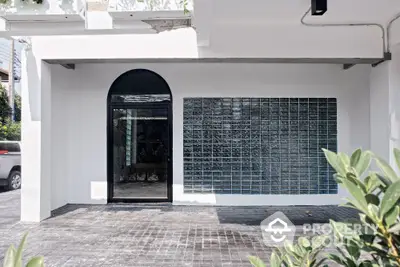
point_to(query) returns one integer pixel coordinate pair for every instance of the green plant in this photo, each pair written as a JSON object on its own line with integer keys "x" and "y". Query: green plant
{"x": 348, "y": 245}
{"x": 13, "y": 257}
{"x": 185, "y": 4}
{"x": 376, "y": 196}
{"x": 302, "y": 254}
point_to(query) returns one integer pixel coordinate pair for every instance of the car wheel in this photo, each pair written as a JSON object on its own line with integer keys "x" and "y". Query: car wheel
{"x": 14, "y": 180}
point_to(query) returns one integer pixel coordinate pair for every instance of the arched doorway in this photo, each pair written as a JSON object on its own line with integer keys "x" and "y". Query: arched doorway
{"x": 139, "y": 138}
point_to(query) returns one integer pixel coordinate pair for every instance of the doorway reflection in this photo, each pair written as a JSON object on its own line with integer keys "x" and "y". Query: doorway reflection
{"x": 140, "y": 151}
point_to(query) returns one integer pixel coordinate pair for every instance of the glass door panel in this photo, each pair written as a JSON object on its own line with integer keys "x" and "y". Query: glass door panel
{"x": 140, "y": 153}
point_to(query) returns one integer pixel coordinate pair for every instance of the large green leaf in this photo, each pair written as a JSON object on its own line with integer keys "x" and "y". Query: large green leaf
{"x": 275, "y": 261}
{"x": 350, "y": 262}
{"x": 396, "y": 153}
{"x": 354, "y": 179}
{"x": 372, "y": 199}
{"x": 392, "y": 216}
{"x": 295, "y": 252}
{"x": 339, "y": 229}
{"x": 390, "y": 198}
{"x": 353, "y": 249}
{"x": 333, "y": 160}
{"x": 355, "y": 157}
{"x": 367, "y": 238}
{"x": 343, "y": 232}
{"x": 372, "y": 182}
{"x": 287, "y": 261}
{"x": 288, "y": 246}
{"x": 318, "y": 241}
{"x": 18, "y": 255}
{"x": 255, "y": 261}
{"x": 348, "y": 205}
{"x": 39, "y": 262}
{"x": 366, "y": 264}
{"x": 363, "y": 163}
{"x": 344, "y": 158}
{"x": 358, "y": 196}
{"x": 9, "y": 258}
{"x": 304, "y": 260}
{"x": 343, "y": 163}
{"x": 373, "y": 212}
{"x": 386, "y": 169}
{"x": 304, "y": 242}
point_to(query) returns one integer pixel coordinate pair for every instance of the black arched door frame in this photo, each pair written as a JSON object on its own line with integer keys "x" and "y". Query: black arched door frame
{"x": 137, "y": 82}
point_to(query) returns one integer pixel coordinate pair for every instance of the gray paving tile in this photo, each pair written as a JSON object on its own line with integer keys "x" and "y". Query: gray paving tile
{"x": 149, "y": 235}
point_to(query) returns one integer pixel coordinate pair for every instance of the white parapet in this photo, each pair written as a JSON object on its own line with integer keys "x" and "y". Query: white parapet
{"x": 132, "y": 13}
{"x": 42, "y": 15}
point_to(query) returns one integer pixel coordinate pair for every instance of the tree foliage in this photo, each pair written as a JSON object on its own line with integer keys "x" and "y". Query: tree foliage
{"x": 5, "y": 110}
{"x": 9, "y": 130}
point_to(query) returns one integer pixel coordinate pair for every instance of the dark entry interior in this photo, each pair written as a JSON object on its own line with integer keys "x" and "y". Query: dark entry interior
{"x": 139, "y": 138}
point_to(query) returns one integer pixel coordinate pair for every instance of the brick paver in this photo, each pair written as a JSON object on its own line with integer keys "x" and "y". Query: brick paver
{"x": 149, "y": 235}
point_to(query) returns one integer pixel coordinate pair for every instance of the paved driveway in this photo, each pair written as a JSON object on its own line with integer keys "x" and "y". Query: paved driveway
{"x": 148, "y": 235}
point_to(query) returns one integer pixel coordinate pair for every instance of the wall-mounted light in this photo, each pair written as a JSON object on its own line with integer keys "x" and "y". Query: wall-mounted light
{"x": 319, "y": 7}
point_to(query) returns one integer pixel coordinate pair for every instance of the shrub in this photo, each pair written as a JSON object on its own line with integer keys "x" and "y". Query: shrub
{"x": 376, "y": 196}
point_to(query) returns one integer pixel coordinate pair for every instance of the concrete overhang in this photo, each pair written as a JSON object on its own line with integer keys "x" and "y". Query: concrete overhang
{"x": 353, "y": 61}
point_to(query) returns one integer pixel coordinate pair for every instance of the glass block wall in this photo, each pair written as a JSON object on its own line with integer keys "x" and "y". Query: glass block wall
{"x": 259, "y": 145}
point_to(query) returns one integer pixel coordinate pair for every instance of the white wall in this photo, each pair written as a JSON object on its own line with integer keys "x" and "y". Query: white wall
{"x": 394, "y": 103}
{"x": 79, "y": 149}
{"x": 380, "y": 110}
{"x": 65, "y": 127}
{"x": 60, "y": 152}
{"x": 385, "y": 109}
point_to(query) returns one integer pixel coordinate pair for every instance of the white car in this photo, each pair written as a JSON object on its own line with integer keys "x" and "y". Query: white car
{"x": 10, "y": 164}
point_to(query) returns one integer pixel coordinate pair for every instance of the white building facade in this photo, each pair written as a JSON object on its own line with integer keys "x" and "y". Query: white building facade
{"x": 232, "y": 111}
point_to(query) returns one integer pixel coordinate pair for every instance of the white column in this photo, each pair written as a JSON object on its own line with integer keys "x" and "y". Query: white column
{"x": 379, "y": 120}
{"x": 385, "y": 107}
{"x": 36, "y": 138}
